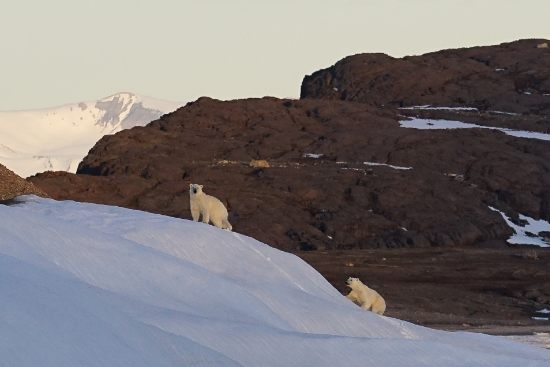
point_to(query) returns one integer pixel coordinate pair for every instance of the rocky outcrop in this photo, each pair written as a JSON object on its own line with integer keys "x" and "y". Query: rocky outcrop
{"x": 317, "y": 192}
{"x": 12, "y": 185}
{"x": 511, "y": 77}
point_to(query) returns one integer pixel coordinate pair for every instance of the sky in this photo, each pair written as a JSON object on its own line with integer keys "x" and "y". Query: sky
{"x": 56, "y": 52}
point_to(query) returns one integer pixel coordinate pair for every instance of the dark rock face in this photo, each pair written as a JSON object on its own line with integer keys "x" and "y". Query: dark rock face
{"x": 512, "y": 77}
{"x": 331, "y": 202}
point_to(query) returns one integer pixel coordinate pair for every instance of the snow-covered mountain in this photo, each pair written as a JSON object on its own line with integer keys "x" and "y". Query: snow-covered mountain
{"x": 56, "y": 139}
{"x": 91, "y": 285}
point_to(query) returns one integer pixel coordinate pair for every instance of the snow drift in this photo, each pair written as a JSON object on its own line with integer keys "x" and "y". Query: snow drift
{"x": 91, "y": 285}
{"x": 56, "y": 139}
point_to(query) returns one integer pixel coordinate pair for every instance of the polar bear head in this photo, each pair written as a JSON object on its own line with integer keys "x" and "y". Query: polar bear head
{"x": 195, "y": 189}
{"x": 353, "y": 282}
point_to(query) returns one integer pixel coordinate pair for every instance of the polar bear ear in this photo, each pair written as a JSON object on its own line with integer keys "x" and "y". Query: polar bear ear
{"x": 200, "y": 186}
{"x": 190, "y": 185}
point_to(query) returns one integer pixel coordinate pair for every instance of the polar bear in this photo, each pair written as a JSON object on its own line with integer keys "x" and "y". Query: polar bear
{"x": 211, "y": 208}
{"x": 367, "y": 298}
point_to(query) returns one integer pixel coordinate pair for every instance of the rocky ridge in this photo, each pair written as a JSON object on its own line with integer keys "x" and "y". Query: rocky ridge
{"x": 512, "y": 77}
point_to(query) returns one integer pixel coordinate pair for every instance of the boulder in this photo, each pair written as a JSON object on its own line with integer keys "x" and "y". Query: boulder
{"x": 12, "y": 185}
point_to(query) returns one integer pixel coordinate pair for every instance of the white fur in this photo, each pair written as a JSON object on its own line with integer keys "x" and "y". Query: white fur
{"x": 367, "y": 298}
{"x": 211, "y": 208}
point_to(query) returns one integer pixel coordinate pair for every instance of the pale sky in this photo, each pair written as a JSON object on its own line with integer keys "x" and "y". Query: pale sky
{"x": 54, "y": 52}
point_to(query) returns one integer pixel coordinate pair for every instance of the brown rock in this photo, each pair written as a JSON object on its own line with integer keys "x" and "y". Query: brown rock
{"x": 511, "y": 77}
{"x": 11, "y": 185}
{"x": 331, "y": 202}
{"x": 259, "y": 163}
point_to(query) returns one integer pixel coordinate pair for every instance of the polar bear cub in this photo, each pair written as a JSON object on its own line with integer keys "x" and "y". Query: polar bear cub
{"x": 211, "y": 208}
{"x": 367, "y": 298}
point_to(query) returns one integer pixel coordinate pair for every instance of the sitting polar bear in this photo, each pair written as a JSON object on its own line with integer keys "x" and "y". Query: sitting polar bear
{"x": 211, "y": 208}
{"x": 367, "y": 298}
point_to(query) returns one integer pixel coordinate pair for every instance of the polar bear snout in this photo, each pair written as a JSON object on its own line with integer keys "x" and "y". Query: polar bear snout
{"x": 194, "y": 188}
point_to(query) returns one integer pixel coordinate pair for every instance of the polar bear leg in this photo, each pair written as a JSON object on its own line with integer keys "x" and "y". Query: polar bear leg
{"x": 352, "y": 296}
{"x": 227, "y": 225}
{"x": 217, "y": 222}
{"x": 195, "y": 213}
{"x": 206, "y": 216}
{"x": 379, "y": 306}
{"x": 366, "y": 306}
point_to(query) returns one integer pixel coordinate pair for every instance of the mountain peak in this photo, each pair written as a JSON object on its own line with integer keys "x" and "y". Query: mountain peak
{"x": 58, "y": 138}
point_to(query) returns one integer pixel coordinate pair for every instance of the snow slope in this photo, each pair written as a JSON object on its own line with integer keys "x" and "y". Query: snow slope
{"x": 90, "y": 285}
{"x": 431, "y": 124}
{"x": 530, "y": 233}
{"x": 58, "y": 138}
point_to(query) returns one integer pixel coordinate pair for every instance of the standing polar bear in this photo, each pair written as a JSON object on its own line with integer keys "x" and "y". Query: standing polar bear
{"x": 367, "y": 298}
{"x": 211, "y": 208}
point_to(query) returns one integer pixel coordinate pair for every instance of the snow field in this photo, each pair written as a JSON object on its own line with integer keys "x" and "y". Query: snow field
{"x": 386, "y": 165}
{"x": 428, "y": 124}
{"x": 533, "y": 226}
{"x": 91, "y": 285}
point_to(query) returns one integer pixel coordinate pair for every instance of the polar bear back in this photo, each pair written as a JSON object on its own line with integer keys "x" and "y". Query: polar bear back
{"x": 215, "y": 206}
{"x": 208, "y": 204}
